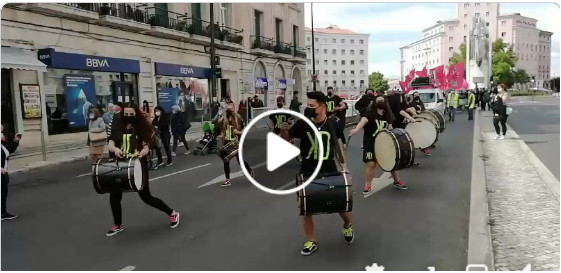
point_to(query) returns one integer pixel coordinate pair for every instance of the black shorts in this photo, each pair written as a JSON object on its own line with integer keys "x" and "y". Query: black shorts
{"x": 368, "y": 154}
{"x": 399, "y": 125}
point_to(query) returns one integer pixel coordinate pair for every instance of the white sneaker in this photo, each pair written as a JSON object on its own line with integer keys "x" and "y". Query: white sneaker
{"x": 187, "y": 152}
{"x": 173, "y": 154}
{"x": 501, "y": 137}
{"x": 497, "y": 137}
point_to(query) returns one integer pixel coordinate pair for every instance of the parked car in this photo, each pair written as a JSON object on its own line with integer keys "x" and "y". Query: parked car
{"x": 432, "y": 98}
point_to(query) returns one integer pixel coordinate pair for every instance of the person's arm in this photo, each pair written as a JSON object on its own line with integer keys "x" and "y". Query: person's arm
{"x": 407, "y": 116}
{"x": 12, "y": 145}
{"x": 111, "y": 147}
{"x": 295, "y": 130}
{"x": 411, "y": 111}
{"x": 99, "y": 128}
{"x": 341, "y": 105}
{"x": 359, "y": 126}
{"x": 145, "y": 149}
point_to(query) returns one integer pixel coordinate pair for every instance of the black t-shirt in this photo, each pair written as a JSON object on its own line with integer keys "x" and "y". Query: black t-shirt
{"x": 375, "y": 124}
{"x": 333, "y": 103}
{"x": 278, "y": 120}
{"x": 419, "y": 105}
{"x": 309, "y": 148}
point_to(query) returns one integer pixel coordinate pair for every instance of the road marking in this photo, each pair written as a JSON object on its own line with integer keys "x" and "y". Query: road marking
{"x": 291, "y": 183}
{"x": 82, "y": 175}
{"x": 222, "y": 177}
{"x": 178, "y": 172}
{"x": 380, "y": 183}
{"x": 128, "y": 268}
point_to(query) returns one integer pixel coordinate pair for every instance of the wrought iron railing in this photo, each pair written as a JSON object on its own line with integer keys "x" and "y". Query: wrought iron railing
{"x": 134, "y": 12}
{"x": 85, "y": 6}
{"x": 262, "y": 43}
{"x": 299, "y": 52}
{"x": 283, "y": 48}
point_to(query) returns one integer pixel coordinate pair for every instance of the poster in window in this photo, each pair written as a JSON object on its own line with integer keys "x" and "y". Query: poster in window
{"x": 280, "y": 89}
{"x": 168, "y": 97}
{"x": 31, "y": 100}
{"x": 79, "y": 91}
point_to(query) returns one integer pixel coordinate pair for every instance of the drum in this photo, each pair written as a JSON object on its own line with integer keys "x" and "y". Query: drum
{"x": 124, "y": 174}
{"x": 394, "y": 150}
{"x": 326, "y": 194}
{"x": 228, "y": 151}
{"x": 437, "y": 117}
{"x": 424, "y": 132}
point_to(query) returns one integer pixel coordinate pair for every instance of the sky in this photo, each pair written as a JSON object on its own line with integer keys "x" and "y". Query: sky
{"x": 390, "y": 25}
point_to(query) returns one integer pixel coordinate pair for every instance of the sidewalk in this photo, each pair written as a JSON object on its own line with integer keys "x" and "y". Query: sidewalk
{"x": 523, "y": 201}
{"x": 27, "y": 158}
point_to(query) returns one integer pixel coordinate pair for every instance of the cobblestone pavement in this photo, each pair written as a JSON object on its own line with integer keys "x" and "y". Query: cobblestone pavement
{"x": 524, "y": 213}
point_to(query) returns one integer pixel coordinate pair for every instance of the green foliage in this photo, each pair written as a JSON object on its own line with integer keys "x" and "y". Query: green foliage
{"x": 459, "y": 57}
{"x": 504, "y": 61}
{"x": 377, "y": 82}
{"x": 527, "y": 93}
{"x": 520, "y": 76}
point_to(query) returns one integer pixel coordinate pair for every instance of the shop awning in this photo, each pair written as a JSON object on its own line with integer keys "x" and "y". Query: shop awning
{"x": 17, "y": 58}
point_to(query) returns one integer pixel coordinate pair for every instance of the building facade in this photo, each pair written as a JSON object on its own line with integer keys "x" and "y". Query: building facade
{"x": 116, "y": 52}
{"x": 341, "y": 58}
{"x": 440, "y": 41}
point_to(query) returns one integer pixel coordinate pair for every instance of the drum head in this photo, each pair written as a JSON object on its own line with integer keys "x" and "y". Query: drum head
{"x": 430, "y": 115}
{"x": 138, "y": 174}
{"x": 385, "y": 150}
{"x": 423, "y": 132}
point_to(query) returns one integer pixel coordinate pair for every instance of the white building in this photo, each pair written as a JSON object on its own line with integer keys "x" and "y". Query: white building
{"x": 341, "y": 59}
{"x": 440, "y": 41}
{"x": 394, "y": 84}
{"x": 134, "y": 52}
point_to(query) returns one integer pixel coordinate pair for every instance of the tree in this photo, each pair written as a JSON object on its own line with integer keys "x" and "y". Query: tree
{"x": 504, "y": 62}
{"x": 377, "y": 82}
{"x": 459, "y": 57}
{"x": 520, "y": 76}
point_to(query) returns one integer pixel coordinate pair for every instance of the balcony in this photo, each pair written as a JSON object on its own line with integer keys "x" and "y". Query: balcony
{"x": 299, "y": 55}
{"x": 262, "y": 46}
{"x": 133, "y": 17}
{"x": 283, "y": 50}
{"x": 78, "y": 11}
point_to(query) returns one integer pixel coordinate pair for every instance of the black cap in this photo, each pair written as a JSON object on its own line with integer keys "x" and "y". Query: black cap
{"x": 318, "y": 96}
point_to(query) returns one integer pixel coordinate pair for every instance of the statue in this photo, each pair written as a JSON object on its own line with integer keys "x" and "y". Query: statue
{"x": 479, "y": 43}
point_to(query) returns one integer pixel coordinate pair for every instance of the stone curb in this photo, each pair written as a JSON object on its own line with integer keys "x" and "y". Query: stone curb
{"x": 480, "y": 248}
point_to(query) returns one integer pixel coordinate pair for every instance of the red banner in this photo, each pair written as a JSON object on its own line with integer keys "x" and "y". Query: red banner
{"x": 422, "y": 73}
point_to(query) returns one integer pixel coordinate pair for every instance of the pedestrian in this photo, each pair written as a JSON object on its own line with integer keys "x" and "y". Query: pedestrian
{"x": 135, "y": 132}
{"x": 97, "y": 134}
{"x": 257, "y": 102}
{"x": 471, "y": 104}
{"x": 178, "y": 129}
{"x": 9, "y": 146}
{"x": 486, "y": 97}
{"x": 500, "y": 112}
{"x": 147, "y": 111}
{"x": 294, "y": 103}
{"x": 364, "y": 102}
{"x": 334, "y": 103}
{"x": 242, "y": 110}
{"x": 453, "y": 100}
{"x": 161, "y": 123}
{"x": 107, "y": 116}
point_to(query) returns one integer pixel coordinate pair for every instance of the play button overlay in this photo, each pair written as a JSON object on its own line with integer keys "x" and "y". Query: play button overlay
{"x": 279, "y": 152}
{"x": 256, "y": 147}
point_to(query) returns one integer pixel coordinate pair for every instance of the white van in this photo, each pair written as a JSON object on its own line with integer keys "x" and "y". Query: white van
{"x": 432, "y": 98}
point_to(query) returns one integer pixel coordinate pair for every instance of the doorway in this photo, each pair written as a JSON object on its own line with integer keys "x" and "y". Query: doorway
{"x": 123, "y": 92}
{"x": 225, "y": 89}
{"x": 7, "y": 109}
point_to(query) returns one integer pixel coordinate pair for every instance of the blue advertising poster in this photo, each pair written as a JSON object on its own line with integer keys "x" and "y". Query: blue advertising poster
{"x": 80, "y": 97}
{"x": 168, "y": 97}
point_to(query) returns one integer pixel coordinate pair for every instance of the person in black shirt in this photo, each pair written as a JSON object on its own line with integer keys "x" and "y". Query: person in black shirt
{"x": 419, "y": 107}
{"x": 378, "y": 117}
{"x": 401, "y": 110}
{"x": 161, "y": 123}
{"x": 334, "y": 103}
{"x": 309, "y": 151}
{"x": 280, "y": 120}
{"x": 499, "y": 113}
{"x": 9, "y": 145}
{"x": 231, "y": 127}
{"x": 130, "y": 137}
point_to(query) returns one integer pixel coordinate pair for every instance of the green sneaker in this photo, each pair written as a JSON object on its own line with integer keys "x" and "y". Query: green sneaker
{"x": 349, "y": 234}
{"x": 309, "y": 248}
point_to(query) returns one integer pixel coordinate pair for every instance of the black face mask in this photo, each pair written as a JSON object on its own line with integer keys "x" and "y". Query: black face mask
{"x": 330, "y": 94}
{"x": 279, "y": 105}
{"x": 417, "y": 98}
{"x": 381, "y": 105}
{"x": 130, "y": 119}
{"x": 310, "y": 112}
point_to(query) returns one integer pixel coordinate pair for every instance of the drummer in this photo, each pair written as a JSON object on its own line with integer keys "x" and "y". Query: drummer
{"x": 400, "y": 110}
{"x": 130, "y": 137}
{"x": 317, "y": 112}
{"x": 378, "y": 117}
{"x": 231, "y": 127}
{"x": 420, "y": 107}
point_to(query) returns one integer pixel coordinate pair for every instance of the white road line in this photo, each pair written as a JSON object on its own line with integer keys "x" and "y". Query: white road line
{"x": 128, "y": 268}
{"x": 82, "y": 175}
{"x": 283, "y": 187}
{"x": 237, "y": 174}
{"x": 178, "y": 172}
{"x": 380, "y": 183}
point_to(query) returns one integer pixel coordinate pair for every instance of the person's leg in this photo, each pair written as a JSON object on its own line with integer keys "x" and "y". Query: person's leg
{"x": 227, "y": 170}
{"x": 503, "y": 124}
{"x": 175, "y": 139}
{"x": 496, "y": 125}
{"x": 115, "y": 201}
{"x": 369, "y": 172}
{"x": 152, "y": 201}
{"x": 5, "y": 181}
{"x": 347, "y": 219}
{"x": 453, "y": 113}
{"x": 159, "y": 154}
{"x": 308, "y": 224}
{"x": 182, "y": 137}
{"x": 397, "y": 181}
{"x": 470, "y": 114}
{"x": 165, "y": 143}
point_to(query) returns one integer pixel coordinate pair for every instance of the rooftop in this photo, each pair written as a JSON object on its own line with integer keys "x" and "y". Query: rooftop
{"x": 441, "y": 23}
{"x": 334, "y": 29}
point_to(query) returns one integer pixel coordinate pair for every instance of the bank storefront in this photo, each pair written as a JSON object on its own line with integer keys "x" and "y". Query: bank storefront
{"x": 74, "y": 83}
{"x": 185, "y": 86}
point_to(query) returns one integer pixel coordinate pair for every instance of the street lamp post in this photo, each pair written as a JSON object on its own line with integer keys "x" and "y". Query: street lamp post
{"x": 212, "y": 54}
{"x": 313, "y": 49}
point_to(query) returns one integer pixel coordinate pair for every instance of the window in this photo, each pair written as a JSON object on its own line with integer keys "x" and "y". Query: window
{"x": 450, "y": 39}
{"x": 334, "y": 51}
{"x": 352, "y": 52}
{"x": 334, "y": 62}
{"x": 343, "y": 72}
{"x": 361, "y": 52}
{"x": 334, "y": 83}
{"x": 466, "y": 5}
{"x": 309, "y": 72}
{"x": 352, "y": 82}
{"x": 325, "y": 62}
{"x": 334, "y": 72}
{"x": 465, "y": 16}
{"x": 451, "y": 28}
{"x": 317, "y": 72}
{"x": 465, "y": 26}
{"x": 361, "y": 62}
{"x": 334, "y": 41}
{"x": 309, "y": 39}
{"x": 343, "y": 62}
{"x": 487, "y": 24}
{"x": 477, "y": 4}
{"x": 503, "y": 34}
{"x": 258, "y": 22}
{"x": 465, "y": 38}
{"x": 503, "y": 23}
{"x": 325, "y": 83}
{"x": 317, "y": 40}
{"x": 342, "y": 52}
{"x": 352, "y": 41}
{"x": 352, "y": 72}
{"x": 362, "y": 72}
{"x": 361, "y": 42}
{"x": 352, "y": 62}
{"x": 317, "y": 61}
{"x": 309, "y": 61}
{"x": 487, "y": 14}
{"x": 477, "y": 14}
{"x": 361, "y": 83}
{"x": 343, "y": 82}
{"x": 278, "y": 30}
{"x": 324, "y": 51}
{"x": 342, "y": 41}
{"x": 488, "y": 4}
{"x": 324, "y": 72}
{"x": 450, "y": 49}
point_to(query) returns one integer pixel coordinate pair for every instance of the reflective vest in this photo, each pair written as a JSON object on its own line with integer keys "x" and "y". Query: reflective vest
{"x": 455, "y": 98}
{"x": 471, "y": 101}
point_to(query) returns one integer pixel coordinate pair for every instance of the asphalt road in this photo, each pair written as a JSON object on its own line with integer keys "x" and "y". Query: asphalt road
{"x": 62, "y": 221}
{"x": 536, "y": 120}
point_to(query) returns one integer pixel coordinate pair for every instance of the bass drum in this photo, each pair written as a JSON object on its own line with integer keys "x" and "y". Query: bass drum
{"x": 326, "y": 194}
{"x": 394, "y": 150}
{"x": 424, "y": 132}
{"x": 124, "y": 175}
{"x": 436, "y": 117}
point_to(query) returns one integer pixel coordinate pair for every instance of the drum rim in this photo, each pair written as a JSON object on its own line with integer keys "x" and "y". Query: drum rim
{"x": 398, "y": 152}
{"x": 302, "y": 197}
{"x": 435, "y": 128}
{"x": 96, "y": 176}
{"x": 439, "y": 115}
